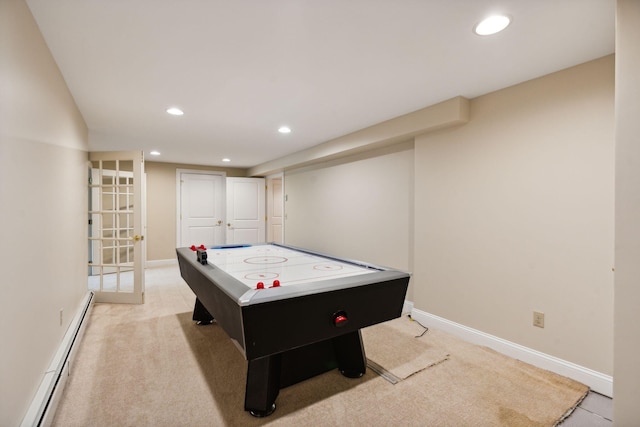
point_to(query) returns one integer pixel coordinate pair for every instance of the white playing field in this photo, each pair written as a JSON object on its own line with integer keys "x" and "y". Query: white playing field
{"x": 266, "y": 263}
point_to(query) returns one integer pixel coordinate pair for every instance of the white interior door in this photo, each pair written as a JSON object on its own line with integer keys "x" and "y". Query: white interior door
{"x": 245, "y": 210}
{"x": 201, "y": 208}
{"x": 275, "y": 209}
{"x": 116, "y": 239}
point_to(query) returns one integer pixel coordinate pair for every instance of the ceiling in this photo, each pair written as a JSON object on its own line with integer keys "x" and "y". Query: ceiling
{"x": 241, "y": 69}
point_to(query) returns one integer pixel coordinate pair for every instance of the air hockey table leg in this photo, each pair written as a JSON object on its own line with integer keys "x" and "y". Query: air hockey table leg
{"x": 201, "y": 315}
{"x": 350, "y": 355}
{"x": 263, "y": 385}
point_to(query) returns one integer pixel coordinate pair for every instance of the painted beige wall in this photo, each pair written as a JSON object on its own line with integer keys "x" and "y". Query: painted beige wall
{"x": 43, "y": 178}
{"x": 161, "y": 206}
{"x": 626, "y": 380}
{"x": 514, "y": 213}
{"x": 359, "y": 207}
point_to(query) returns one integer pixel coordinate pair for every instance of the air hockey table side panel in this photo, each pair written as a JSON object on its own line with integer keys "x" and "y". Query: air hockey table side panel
{"x": 281, "y": 325}
{"x": 222, "y": 306}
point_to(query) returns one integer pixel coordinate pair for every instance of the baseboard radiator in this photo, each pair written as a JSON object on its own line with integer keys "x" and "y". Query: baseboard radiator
{"x": 45, "y": 402}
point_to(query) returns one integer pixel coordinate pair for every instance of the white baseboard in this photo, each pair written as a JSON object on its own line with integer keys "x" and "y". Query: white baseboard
{"x": 597, "y": 381}
{"x": 161, "y": 262}
{"x": 44, "y": 404}
{"x": 407, "y": 308}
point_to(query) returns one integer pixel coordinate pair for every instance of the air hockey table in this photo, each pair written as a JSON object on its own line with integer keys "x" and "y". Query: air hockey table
{"x": 292, "y": 313}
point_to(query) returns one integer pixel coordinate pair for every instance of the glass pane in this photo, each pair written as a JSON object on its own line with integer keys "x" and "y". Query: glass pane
{"x": 110, "y": 165}
{"x": 126, "y": 280}
{"x": 126, "y": 224}
{"x": 109, "y": 252}
{"x": 107, "y": 180}
{"x": 108, "y": 255}
{"x": 125, "y": 202}
{"x": 127, "y": 255}
{"x": 126, "y": 165}
{"x": 108, "y": 221}
{"x": 107, "y": 202}
{"x": 121, "y": 253}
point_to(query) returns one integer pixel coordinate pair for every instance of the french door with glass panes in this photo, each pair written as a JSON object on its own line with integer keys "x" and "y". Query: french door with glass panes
{"x": 116, "y": 239}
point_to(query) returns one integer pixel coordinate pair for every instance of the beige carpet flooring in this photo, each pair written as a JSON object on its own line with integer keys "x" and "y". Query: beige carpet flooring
{"x": 150, "y": 365}
{"x": 393, "y": 349}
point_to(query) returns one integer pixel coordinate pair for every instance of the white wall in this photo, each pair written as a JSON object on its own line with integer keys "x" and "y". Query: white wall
{"x": 359, "y": 207}
{"x": 626, "y": 411}
{"x": 43, "y": 238}
{"x": 514, "y": 213}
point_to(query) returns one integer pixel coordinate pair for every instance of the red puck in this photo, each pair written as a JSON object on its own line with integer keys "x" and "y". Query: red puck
{"x": 276, "y": 283}
{"x": 260, "y": 285}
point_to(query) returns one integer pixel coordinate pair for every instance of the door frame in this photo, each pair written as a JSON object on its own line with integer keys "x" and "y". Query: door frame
{"x": 269, "y": 201}
{"x": 179, "y": 172}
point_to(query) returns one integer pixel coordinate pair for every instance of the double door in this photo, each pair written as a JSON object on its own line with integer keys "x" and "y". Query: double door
{"x": 215, "y": 210}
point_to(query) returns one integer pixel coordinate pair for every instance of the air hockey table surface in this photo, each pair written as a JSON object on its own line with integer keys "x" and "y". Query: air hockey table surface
{"x": 295, "y": 269}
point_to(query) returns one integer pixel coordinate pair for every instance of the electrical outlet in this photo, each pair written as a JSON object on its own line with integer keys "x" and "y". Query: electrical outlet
{"x": 61, "y": 315}
{"x": 538, "y": 319}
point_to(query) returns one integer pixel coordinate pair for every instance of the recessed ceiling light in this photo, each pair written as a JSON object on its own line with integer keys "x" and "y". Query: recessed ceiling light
{"x": 226, "y": 160}
{"x": 491, "y": 25}
{"x": 175, "y": 111}
{"x": 284, "y": 129}
{"x": 154, "y": 153}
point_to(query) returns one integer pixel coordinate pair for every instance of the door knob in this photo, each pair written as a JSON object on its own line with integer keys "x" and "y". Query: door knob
{"x": 137, "y": 238}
